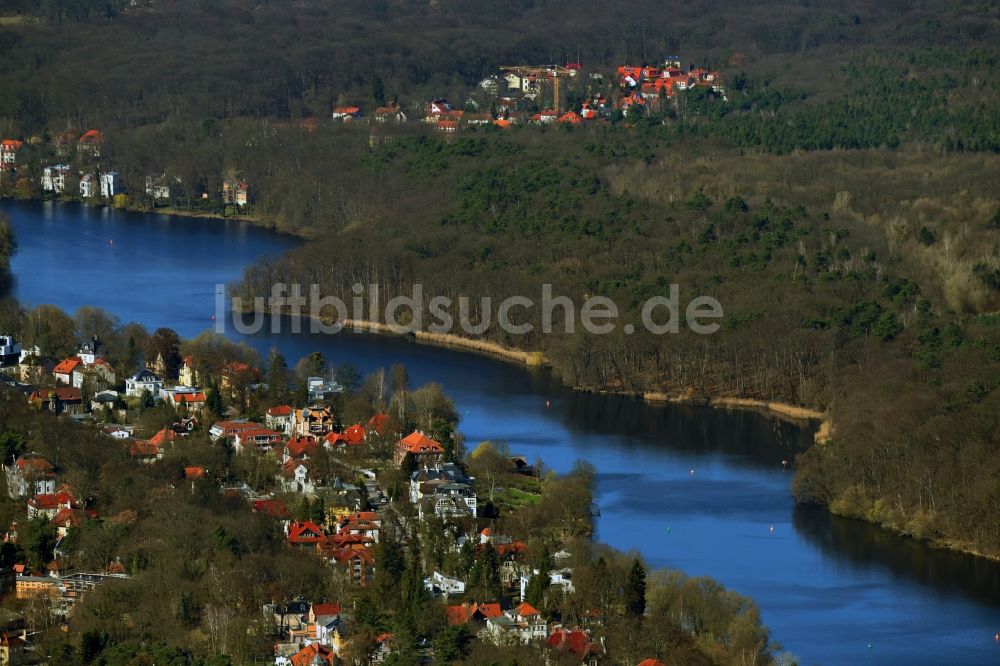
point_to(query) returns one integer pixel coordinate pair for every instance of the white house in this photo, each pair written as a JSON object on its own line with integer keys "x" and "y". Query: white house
{"x": 110, "y": 184}
{"x": 157, "y": 187}
{"x": 521, "y": 624}
{"x": 54, "y": 178}
{"x": 8, "y": 150}
{"x": 88, "y": 185}
{"x": 440, "y": 585}
{"x": 10, "y": 352}
{"x": 145, "y": 380}
{"x": 279, "y": 418}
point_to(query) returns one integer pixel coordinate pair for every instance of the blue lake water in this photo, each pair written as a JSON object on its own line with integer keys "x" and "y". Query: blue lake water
{"x": 827, "y": 587}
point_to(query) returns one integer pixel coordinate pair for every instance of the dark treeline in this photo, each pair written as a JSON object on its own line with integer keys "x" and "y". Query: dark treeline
{"x": 99, "y": 64}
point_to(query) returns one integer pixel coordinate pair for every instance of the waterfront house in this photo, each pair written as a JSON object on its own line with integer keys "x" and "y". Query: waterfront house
{"x": 144, "y": 380}
{"x": 235, "y": 191}
{"x": 111, "y": 184}
{"x": 157, "y": 187}
{"x": 54, "y": 178}
{"x": 88, "y": 185}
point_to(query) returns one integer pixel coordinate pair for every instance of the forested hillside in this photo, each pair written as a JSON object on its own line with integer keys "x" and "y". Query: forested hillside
{"x": 840, "y": 202}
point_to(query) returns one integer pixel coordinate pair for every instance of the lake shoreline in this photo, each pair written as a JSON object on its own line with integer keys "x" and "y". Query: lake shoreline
{"x": 796, "y": 414}
{"x": 259, "y": 222}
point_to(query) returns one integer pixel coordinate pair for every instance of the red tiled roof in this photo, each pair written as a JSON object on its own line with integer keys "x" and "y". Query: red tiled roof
{"x": 305, "y": 532}
{"x": 417, "y": 443}
{"x": 163, "y": 436}
{"x": 280, "y": 410}
{"x": 50, "y": 501}
{"x": 575, "y": 641}
{"x": 379, "y": 423}
{"x": 36, "y": 464}
{"x": 144, "y": 449}
{"x": 314, "y": 653}
{"x": 299, "y": 446}
{"x": 66, "y": 366}
{"x": 194, "y": 472}
{"x": 190, "y": 397}
{"x": 462, "y": 613}
{"x": 325, "y": 609}
{"x": 346, "y": 109}
{"x": 652, "y": 662}
{"x": 92, "y": 136}
{"x": 63, "y": 393}
{"x": 271, "y": 507}
{"x": 525, "y": 610}
{"x": 12, "y": 144}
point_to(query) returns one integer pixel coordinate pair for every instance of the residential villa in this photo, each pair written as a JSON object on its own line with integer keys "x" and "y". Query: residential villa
{"x": 144, "y": 380}
{"x": 423, "y": 449}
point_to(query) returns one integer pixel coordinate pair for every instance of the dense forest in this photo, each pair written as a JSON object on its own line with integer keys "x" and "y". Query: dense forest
{"x": 840, "y": 202}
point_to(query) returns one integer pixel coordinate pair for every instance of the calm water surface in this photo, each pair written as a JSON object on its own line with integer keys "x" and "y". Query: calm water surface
{"x": 828, "y": 587}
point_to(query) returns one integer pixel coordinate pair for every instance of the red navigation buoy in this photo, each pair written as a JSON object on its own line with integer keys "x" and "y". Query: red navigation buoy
{"x": 996, "y": 636}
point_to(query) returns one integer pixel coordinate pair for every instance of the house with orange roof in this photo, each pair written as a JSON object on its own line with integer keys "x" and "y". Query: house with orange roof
{"x": 346, "y": 113}
{"x": 472, "y": 613}
{"x": 576, "y": 642}
{"x": 192, "y": 473}
{"x": 358, "y": 563}
{"x": 300, "y": 448}
{"x": 274, "y": 508}
{"x": 9, "y": 150}
{"x": 236, "y": 191}
{"x": 90, "y": 143}
{"x": 49, "y": 504}
{"x": 544, "y": 117}
{"x": 314, "y": 654}
{"x": 190, "y": 401}
{"x": 316, "y": 421}
{"x": 366, "y": 524}
{"x": 389, "y": 114}
{"x": 30, "y": 474}
{"x": 424, "y": 449}
{"x": 260, "y": 439}
{"x": 279, "y": 418}
{"x": 570, "y": 117}
{"x": 305, "y": 533}
{"x": 145, "y": 452}
{"x": 652, "y": 662}
{"x": 61, "y": 400}
{"x": 229, "y": 429}
{"x": 523, "y": 623}
{"x": 354, "y": 435}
